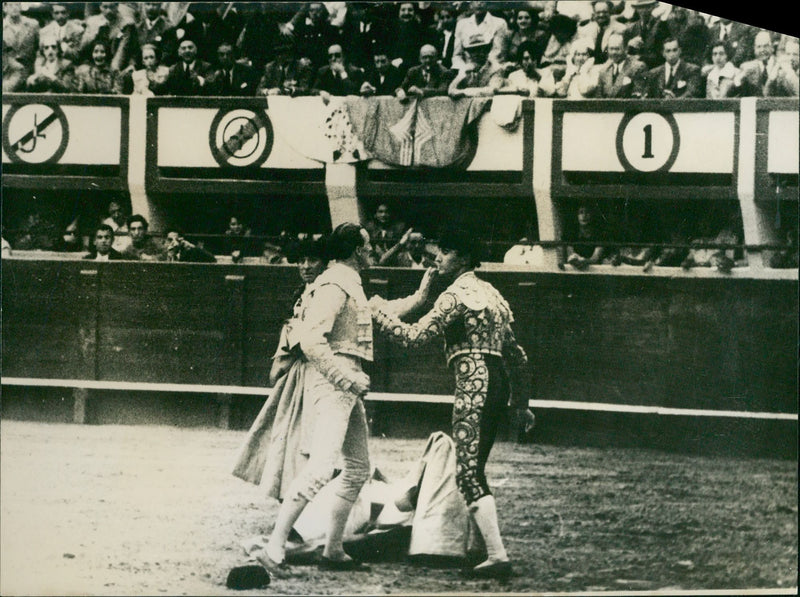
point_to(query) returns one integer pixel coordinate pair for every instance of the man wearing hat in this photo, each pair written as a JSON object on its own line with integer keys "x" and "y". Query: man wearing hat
{"x": 480, "y": 76}
{"x": 646, "y": 34}
{"x": 188, "y": 76}
{"x": 493, "y": 30}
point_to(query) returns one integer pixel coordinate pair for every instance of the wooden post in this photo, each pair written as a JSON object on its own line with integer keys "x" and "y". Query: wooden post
{"x": 80, "y": 405}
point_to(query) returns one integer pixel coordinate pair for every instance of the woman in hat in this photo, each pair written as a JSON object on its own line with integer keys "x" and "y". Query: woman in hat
{"x": 275, "y": 447}
{"x": 489, "y": 366}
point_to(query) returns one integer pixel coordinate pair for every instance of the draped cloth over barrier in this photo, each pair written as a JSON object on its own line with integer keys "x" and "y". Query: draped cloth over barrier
{"x": 434, "y": 132}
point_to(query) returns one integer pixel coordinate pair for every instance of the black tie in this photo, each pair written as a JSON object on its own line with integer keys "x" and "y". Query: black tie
{"x": 598, "y": 44}
{"x": 671, "y": 77}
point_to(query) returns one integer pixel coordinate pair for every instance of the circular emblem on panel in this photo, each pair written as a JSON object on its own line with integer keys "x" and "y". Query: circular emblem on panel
{"x": 241, "y": 137}
{"x": 35, "y": 133}
{"x": 648, "y": 142}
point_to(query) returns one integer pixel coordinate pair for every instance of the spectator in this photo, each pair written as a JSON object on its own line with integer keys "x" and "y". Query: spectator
{"x": 408, "y": 35}
{"x": 675, "y": 78}
{"x": 753, "y": 75}
{"x": 737, "y": 36}
{"x": 783, "y": 79}
{"x": 189, "y": 75}
{"x": 587, "y": 238}
{"x": 315, "y": 35}
{"x": 721, "y": 74}
{"x": 272, "y": 254}
{"x": 67, "y": 32}
{"x": 598, "y": 30}
{"x": 528, "y": 80}
{"x": 480, "y": 24}
{"x": 646, "y": 34}
{"x": 410, "y": 251}
{"x": 384, "y": 230}
{"x": 52, "y": 72}
{"x": 689, "y": 28}
{"x": 223, "y": 24}
{"x": 179, "y": 249}
{"x": 117, "y": 33}
{"x": 20, "y": 33}
{"x": 338, "y": 77}
{"x": 98, "y": 76}
{"x": 14, "y": 72}
{"x": 555, "y": 47}
{"x": 238, "y": 240}
{"x": 102, "y": 249}
{"x": 480, "y": 76}
{"x": 363, "y": 33}
{"x": 383, "y": 78}
{"x": 622, "y": 76}
{"x": 36, "y": 234}
{"x": 148, "y": 80}
{"x": 231, "y": 78}
{"x": 261, "y": 35}
{"x": 786, "y": 258}
{"x": 427, "y": 79}
{"x": 71, "y": 240}
{"x": 526, "y": 22}
{"x": 281, "y": 73}
{"x": 119, "y": 224}
{"x": 187, "y": 25}
{"x": 723, "y": 259}
{"x": 582, "y": 79}
{"x": 444, "y": 34}
{"x": 142, "y": 247}
{"x": 152, "y": 26}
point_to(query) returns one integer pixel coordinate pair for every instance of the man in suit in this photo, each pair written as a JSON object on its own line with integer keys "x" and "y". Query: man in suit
{"x": 153, "y": 24}
{"x": 338, "y": 77}
{"x": 599, "y": 28}
{"x": 622, "y": 76}
{"x": 738, "y": 36}
{"x": 102, "y": 249}
{"x": 118, "y": 31}
{"x": 383, "y": 79}
{"x": 20, "y": 33}
{"x": 647, "y": 33}
{"x": 231, "y": 78}
{"x": 754, "y": 74}
{"x": 67, "y": 32}
{"x": 675, "y": 78}
{"x": 188, "y": 76}
{"x": 428, "y": 79}
{"x": 783, "y": 80}
{"x": 363, "y": 33}
{"x": 444, "y": 34}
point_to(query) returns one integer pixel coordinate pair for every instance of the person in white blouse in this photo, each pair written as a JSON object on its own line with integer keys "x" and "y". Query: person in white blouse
{"x": 583, "y": 76}
{"x": 721, "y": 73}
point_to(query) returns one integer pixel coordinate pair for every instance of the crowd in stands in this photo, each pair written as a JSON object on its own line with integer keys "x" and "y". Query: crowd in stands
{"x": 602, "y": 49}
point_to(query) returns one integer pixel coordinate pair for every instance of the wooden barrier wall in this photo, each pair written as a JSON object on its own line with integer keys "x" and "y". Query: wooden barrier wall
{"x": 697, "y": 343}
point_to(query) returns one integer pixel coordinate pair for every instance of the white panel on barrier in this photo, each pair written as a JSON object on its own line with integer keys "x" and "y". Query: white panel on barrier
{"x": 185, "y": 138}
{"x": 783, "y": 152}
{"x": 39, "y": 133}
{"x": 598, "y": 156}
{"x": 707, "y": 142}
{"x": 648, "y": 141}
{"x": 95, "y": 136}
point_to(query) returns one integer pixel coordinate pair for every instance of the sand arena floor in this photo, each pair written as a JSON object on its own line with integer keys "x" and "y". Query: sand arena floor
{"x": 152, "y": 510}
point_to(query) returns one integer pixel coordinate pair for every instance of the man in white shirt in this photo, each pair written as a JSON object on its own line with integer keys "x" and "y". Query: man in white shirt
{"x": 480, "y": 24}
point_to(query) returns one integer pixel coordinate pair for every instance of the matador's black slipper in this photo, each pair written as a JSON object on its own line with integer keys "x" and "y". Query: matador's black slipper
{"x": 247, "y": 577}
